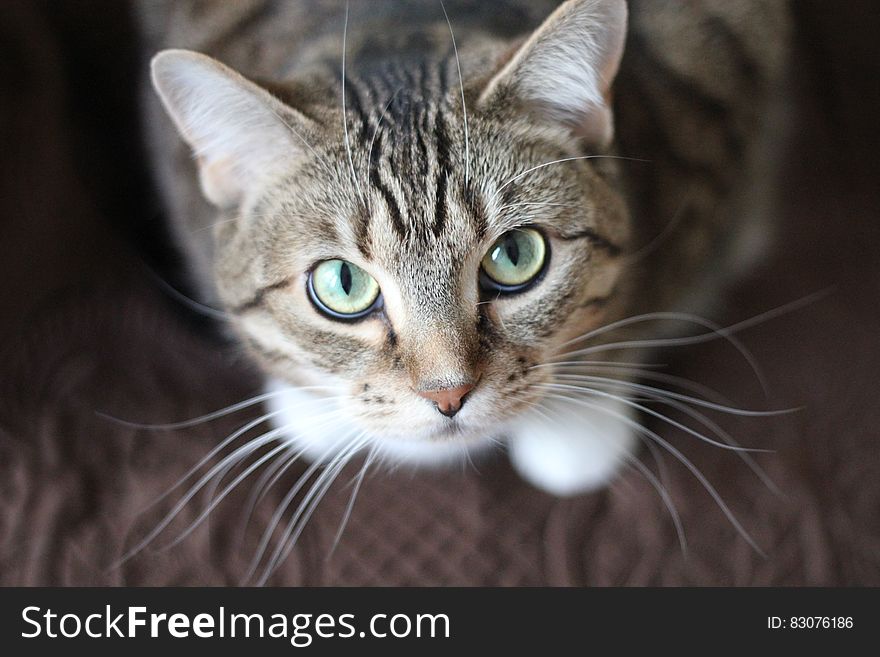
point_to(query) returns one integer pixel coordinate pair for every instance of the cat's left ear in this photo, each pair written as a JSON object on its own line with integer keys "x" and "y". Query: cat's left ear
{"x": 563, "y": 72}
{"x": 239, "y": 132}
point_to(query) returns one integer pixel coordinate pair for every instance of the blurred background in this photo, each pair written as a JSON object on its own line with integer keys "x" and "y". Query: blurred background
{"x": 85, "y": 329}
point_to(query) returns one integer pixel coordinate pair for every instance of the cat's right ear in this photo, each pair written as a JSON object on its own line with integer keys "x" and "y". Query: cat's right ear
{"x": 239, "y": 133}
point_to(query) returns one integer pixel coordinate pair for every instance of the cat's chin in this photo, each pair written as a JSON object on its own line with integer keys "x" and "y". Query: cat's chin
{"x": 429, "y": 453}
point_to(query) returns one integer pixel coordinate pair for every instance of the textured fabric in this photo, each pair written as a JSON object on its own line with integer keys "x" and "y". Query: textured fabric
{"x": 86, "y": 332}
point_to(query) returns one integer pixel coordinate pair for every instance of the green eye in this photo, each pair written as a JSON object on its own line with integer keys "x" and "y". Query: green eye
{"x": 514, "y": 261}
{"x": 342, "y": 290}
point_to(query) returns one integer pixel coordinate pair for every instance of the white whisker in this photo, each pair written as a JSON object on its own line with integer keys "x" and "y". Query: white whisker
{"x": 234, "y": 436}
{"x": 227, "y": 410}
{"x": 659, "y": 239}
{"x": 192, "y": 304}
{"x": 657, "y": 455}
{"x": 663, "y": 492}
{"x": 539, "y": 204}
{"x": 559, "y": 161}
{"x": 712, "y": 426}
{"x": 229, "y": 488}
{"x": 696, "y": 400}
{"x": 216, "y": 450}
{"x": 274, "y": 474}
{"x": 701, "y": 478}
{"x": 304, "y": 511}
{"x": 685, "y": 384}
{"x": 240, "y": 453}
{"x": 371, "y": 455}
{"x": 725, "y": 436}
{"x": 328, "y": 169}
{"x": 219, "y": 222}
{"x": 716, "y": 331}
{"x": 264, "y": 484}
{"x": 467, "y": 158}
{"x": 345, "y": 112}
{"x": 652, "y": 412}
{"x": 659, "y": 486}
{"x": 598, "y": 363}
{"x": 376, "y": 131}
{"x": 282, "y": 507}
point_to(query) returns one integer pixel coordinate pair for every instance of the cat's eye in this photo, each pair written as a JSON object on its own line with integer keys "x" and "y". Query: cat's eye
{"x": 342, "y": 290}
{"x": 514, "y": 261}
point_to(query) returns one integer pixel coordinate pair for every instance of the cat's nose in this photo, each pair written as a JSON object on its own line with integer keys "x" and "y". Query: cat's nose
{"x": 448, "y": 400}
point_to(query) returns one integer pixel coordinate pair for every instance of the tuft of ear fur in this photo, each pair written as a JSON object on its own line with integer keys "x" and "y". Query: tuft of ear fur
{"x": 564, "y": 71}
{"x": 239, "y": 132}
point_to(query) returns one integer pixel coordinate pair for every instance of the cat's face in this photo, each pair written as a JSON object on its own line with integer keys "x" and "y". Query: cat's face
{"x": 420, "y": 261}
{"x": 382, "y": 282}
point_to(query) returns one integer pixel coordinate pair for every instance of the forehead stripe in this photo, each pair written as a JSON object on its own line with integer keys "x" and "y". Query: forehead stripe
{"x": 382, "y": 188}
{"x": 442, "y": 140}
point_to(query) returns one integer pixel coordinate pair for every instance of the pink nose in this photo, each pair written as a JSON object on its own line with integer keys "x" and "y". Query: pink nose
{"x": 448, "y": 400}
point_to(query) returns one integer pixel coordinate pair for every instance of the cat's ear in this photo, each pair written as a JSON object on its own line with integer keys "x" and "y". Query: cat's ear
{"x": 239, "y": 132}
{"x": 563, "y": 72}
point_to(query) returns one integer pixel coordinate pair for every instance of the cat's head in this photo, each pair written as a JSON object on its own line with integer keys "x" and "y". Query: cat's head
{"x": 424, "y": 250}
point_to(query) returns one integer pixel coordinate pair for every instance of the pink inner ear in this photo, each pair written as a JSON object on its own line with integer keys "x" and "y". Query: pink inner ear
{"x": 218, "y": 181}
{"x": 597, "y": 127}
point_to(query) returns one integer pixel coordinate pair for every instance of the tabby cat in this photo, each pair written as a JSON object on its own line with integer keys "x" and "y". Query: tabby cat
{"x": 437, "y": 227}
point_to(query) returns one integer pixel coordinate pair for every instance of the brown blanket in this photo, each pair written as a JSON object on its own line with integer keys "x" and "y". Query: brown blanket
{"x": 85, "y": 331}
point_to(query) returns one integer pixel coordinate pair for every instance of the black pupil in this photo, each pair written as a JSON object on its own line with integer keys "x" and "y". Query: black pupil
{"x": 345, "y": 278}
{"x": 512, "y": 249}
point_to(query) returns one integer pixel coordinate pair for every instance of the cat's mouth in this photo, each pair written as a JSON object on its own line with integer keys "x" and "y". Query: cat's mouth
{"x": 451, "y": 429}
{"x": 444, "y": 443}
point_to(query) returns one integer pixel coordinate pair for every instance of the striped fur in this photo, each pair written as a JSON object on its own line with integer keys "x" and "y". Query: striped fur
{"x": 424, "y": 170}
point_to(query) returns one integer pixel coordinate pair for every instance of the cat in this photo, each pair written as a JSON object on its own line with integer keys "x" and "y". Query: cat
{"x": 437, "y": 227}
